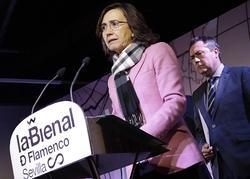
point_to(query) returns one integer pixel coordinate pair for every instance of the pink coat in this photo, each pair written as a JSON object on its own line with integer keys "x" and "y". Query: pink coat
{"x": 157, "y": 81}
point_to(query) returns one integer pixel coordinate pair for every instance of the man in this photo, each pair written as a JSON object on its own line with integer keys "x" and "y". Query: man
{"x": 222, "y": 111}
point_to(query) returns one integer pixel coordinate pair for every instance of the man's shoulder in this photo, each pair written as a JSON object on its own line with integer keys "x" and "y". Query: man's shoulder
{"x": 237, "y": 69}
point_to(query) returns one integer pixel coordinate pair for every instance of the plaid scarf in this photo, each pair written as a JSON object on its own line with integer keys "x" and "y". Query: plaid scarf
{"x": 128, "y": 58}
{"x": 128, "y": 99}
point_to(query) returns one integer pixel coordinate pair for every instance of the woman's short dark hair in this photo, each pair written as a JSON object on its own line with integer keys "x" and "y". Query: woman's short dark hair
{"x": 142, "y": 33}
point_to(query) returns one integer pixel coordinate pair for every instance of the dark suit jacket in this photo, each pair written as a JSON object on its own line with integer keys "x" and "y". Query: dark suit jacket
{"x": 229, "y": 126}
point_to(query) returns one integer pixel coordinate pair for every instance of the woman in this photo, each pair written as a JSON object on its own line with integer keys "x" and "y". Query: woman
{"x": 146, "y": 90}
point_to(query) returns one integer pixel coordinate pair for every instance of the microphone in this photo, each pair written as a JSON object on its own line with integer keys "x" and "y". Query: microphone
{"x": 85, "y": 61}
{"x": 59, "y": 74}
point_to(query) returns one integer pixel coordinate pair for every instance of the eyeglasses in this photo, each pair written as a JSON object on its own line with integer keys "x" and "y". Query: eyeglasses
{"x": 114, "y": 25}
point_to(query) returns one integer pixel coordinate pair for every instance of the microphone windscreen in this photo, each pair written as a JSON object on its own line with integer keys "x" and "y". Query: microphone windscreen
{"x": 86, "y": 60}
{"x": 60, "y": 72}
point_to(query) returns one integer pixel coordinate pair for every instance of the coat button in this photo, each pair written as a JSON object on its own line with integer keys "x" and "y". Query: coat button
{"x": 213, "y": 126}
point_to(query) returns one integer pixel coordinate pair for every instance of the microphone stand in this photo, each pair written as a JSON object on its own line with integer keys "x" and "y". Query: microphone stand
{"x": 33, "y": 107}
{"x": 59, "y": 73}
{"x": 84, "y": 61}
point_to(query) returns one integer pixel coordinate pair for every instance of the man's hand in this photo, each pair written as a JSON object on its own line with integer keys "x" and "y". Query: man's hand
{"x": 207, "y": 152}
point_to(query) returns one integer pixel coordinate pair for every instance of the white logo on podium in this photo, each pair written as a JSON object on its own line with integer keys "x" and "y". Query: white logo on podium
{"x": 49, "y": 139}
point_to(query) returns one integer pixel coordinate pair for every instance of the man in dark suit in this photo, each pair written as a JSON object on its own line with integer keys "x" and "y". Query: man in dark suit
{"x": 222, "y": 111}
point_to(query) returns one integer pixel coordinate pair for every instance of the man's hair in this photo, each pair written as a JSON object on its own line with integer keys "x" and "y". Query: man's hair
{"x": 142, "y": 33}
{"x": 210, "y": 42}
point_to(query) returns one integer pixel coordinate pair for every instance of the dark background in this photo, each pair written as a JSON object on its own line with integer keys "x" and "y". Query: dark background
{"x": 37, "y": 37}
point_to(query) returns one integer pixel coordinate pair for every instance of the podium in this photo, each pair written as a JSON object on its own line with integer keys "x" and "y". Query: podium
{"x": 96, "y": 146}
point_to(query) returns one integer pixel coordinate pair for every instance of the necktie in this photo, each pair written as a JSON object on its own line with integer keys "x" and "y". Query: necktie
{"x": 211, "y": 94}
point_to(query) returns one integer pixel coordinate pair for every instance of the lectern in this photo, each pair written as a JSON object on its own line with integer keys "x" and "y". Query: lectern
{"x": 59, "y": 141}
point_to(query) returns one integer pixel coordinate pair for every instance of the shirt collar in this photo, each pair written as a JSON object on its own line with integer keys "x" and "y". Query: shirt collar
{"x": 218, "y": 71}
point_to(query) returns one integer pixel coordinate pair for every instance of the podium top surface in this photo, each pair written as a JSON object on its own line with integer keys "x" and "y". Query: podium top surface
{"x": 112, "y": 122}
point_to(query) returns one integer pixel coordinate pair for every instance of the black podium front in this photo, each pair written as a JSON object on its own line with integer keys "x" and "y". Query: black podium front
{"x": 114, "y": 144}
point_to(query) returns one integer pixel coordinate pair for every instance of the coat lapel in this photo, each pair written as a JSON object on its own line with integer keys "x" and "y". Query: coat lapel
{"x": 220, "y": 89}
{"x": 201, "y": 103}
{"x": 136, "y": 69}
